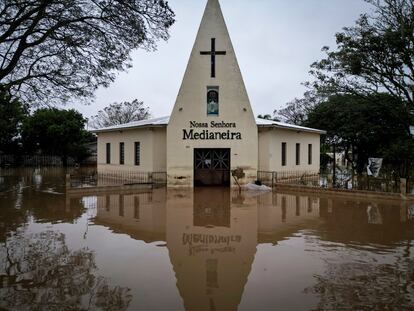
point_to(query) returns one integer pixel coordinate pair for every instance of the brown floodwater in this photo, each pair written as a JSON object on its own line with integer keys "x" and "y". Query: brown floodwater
{"x": 207, "y": 249}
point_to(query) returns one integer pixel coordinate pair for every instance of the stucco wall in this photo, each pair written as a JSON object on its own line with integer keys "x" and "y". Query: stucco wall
{"x": 159, "y": 150}
{"x": 270, "y": 146}
{"x": 264, "y": 138}
{"x": 153, "y": 150}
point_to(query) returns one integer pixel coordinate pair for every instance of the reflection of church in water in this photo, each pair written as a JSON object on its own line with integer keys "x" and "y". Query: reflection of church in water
{"x": 212, "y": 234}
{"x": 212, "y": 246}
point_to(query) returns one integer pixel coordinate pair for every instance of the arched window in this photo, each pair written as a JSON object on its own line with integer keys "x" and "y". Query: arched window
{"x": 212, "y": 102}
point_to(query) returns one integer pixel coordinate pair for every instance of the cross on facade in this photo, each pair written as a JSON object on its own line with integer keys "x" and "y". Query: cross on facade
{"x": 213, "y": 54}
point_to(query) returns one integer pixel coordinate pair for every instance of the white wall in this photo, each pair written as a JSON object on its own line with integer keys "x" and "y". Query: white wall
{"x": 153, "y": 150}
{"x": 159, "y": 150}
{"x": 270, "y": 150}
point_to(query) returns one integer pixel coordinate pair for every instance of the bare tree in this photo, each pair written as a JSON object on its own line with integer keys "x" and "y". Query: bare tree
{"x": 55, "y": 50}
{"x": 267, "y": 117}
{"x": 120, "y": 113}
{"x": 296, "y": 111}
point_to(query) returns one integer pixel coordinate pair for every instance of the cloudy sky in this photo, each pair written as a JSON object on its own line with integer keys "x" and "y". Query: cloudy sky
{"x": 275, "y": 43}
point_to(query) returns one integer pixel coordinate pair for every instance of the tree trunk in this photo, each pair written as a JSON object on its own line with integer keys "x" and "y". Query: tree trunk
{"x": 65, "y": 160}
{"x": 334, "y": 166}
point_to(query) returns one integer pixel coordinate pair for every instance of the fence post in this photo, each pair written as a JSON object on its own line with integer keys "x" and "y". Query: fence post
{"x": 68, "y": 181}
{"x": 403, "y": 186}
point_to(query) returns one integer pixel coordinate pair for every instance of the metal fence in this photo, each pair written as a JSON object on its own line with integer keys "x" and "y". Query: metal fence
{"x": 33, "y": 160}
{"x": 410, "y": 185}
{"x": 116, "y": 178}
{"x": 374, "y": 184}
{"x": 342, "y": 181}
{"x": 6, "y": 159}
{"x": 289, "y": 177}
{"x": 267, "y": 178}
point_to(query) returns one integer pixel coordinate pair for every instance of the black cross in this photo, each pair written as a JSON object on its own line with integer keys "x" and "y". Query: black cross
{"x": 213, "y": 54}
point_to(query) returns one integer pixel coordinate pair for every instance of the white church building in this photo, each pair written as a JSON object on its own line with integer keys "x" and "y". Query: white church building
{"x": 212, "y": 129}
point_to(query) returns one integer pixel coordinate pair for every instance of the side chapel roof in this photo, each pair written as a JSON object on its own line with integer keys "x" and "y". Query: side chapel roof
{"x": 163, "y": 122}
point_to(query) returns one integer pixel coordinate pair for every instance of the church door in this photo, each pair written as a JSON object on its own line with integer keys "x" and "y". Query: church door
{"x": 211, "y": 167}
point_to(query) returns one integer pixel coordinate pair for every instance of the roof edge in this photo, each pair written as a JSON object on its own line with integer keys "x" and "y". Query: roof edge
{"x": 127, "y": 128}
{"x": 302, "y": 129}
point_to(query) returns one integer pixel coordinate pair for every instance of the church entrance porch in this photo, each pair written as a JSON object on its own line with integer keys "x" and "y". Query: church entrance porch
{"x": 211, "y": 167}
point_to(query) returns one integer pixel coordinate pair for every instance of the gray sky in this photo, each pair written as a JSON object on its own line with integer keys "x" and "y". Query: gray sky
{"x": 275, "y": 43}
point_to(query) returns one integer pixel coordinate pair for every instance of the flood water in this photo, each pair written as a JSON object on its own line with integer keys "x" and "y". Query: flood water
{"x": 207, "y": 249}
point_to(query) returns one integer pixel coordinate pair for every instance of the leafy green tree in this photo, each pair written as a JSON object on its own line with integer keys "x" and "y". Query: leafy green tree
{"x": 400, "y": 155}
{"x": 12, "y": 114}
{"x": 376, "y": 55}
{"x": 366, "y": 127}
{"x": 55, "y": 132}
{"x": 52, "y": 51}
{"x": 120, "y": 113}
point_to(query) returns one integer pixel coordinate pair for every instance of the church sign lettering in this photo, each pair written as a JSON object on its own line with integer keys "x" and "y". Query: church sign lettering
{"x": 211, "y": 243}
{"x": 200, "y": 131}
{"x": 208, "y": 239}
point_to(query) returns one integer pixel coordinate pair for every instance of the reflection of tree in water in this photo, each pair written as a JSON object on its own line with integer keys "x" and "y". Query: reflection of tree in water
{"x": 350, "y": 222}
{"x": 368, "y": 285}
{"x": 39, "y": 272}
{"x": 43, "y": 207}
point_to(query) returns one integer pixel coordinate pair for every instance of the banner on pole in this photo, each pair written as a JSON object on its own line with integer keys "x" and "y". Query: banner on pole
{"x": 374, "y": 166}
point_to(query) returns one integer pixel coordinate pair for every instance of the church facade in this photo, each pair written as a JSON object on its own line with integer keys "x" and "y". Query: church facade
{"x": 212, "y": 129}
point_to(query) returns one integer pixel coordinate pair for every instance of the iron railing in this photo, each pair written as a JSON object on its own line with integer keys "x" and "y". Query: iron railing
{"x": 117, "y": 178}
{"x": 269, "y": 178}
{"x": 7, "y": 160}
{"x": 370, "y": 183}
{"x": 33, "y": 160}
{"x": 410, "y": 185}
{"x": 342, "y": 181}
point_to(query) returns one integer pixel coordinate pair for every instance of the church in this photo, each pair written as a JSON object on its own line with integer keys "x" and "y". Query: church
{"x": 212, "y": 129}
